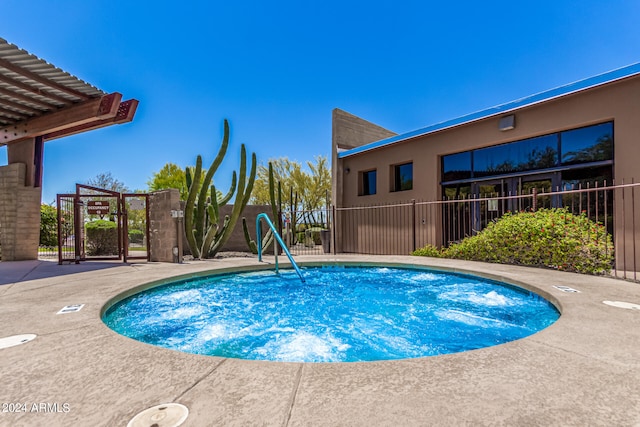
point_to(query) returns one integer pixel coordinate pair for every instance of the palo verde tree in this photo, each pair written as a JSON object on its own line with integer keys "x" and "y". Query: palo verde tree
{"x": 205, "y": 235}
{"x": 303, "y": 189}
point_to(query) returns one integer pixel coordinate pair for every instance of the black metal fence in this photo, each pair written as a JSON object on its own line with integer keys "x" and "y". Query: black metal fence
{"x": 306, "y": 232}
{"x": 400, "y": 228}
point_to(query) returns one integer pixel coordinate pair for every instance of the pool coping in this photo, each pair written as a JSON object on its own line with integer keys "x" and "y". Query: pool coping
{"x": 582, "y": 370}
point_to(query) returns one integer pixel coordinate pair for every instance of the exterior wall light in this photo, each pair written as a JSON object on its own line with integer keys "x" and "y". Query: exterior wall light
{"x": 507, "y": 122}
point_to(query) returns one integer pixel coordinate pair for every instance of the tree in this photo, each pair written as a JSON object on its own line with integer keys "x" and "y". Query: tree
{"x": 170, "y": 176}
{"x": 311, "y": 187}
{"x": 48, "y": 226}
{"x": 106, "y": 181}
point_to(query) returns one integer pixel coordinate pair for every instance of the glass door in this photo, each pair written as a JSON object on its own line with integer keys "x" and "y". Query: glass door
{"x": 513, "y": 194}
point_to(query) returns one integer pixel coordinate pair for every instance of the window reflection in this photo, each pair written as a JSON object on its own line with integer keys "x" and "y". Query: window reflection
{"x": 530, "y": 154}
{"x": 456, "y": 166}
{"x": 403, "y": 177}
{"x": 589, "y": 144}
{"x": 577, "y": 146}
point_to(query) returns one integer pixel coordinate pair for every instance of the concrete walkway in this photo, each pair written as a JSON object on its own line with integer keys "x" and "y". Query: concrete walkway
{"x": 582, "y": 371}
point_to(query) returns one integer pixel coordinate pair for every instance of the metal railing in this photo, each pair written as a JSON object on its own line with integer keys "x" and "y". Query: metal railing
{"x": 278, "y": 240}
{"x": 401, "y": 228}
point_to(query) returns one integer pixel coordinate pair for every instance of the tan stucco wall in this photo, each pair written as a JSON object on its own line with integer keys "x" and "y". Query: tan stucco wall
{"x": 237, "y": 242}
{"x": 348, "y": 131}
{"x": 618, "y": 102}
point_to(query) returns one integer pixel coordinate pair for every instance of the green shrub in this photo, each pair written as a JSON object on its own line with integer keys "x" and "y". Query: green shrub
{"x": 136, "y": 236}
{"x": 429, "y": 250}
{"x": 48, "y": 226}
{"x": 552, "y": 238}
{"x": 102, "y": 238}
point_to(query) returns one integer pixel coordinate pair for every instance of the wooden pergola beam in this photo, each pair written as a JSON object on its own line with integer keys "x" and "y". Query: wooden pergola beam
{"x": 126, "y": 112}
{"x": 103, "y": 108}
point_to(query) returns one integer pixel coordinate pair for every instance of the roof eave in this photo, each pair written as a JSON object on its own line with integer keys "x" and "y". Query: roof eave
{"x": 509, "y": 107}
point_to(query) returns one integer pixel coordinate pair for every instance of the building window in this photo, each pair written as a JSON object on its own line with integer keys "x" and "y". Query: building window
{"x": 402, "y": 177}
{"x": 520, "y": 156}
{"x": 573, "y": 148}
{"x": 588, "y": 144}
{"x": 456, "y": 166}
{"x": 368, "y": 182}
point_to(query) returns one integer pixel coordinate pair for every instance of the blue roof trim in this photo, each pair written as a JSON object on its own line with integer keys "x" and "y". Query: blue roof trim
{"x": 570, "y": 88}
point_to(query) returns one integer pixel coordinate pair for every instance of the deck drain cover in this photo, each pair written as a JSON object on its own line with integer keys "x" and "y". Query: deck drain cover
{"x": 167, "y": 415}
{"x": 622, "y": 304}
{"x": 567, "y": 289}
{"x": 70, "y": 308}
{"x": 14, "y": 340}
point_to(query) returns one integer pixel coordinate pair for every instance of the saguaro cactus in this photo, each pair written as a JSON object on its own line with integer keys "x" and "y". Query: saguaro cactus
{"x": 204, "y": 233}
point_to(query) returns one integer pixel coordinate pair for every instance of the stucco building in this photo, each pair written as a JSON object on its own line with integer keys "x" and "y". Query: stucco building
{"x": 583, "y": 133}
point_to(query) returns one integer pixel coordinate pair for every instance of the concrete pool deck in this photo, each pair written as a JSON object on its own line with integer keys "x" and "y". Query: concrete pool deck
{"x": 582, "y": 370}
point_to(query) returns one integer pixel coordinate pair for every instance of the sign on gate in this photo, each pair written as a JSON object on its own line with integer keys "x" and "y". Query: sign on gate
{"x": 97, "y": 207}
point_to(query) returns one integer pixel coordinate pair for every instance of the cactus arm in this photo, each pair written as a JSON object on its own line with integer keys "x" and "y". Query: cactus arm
{"x": 242, "y": 198}
{"x": 209, "y": 238}
{"x": 188, "y": 177}
{"x": 206, "y": 182}
{"x": 213, "y": 214}
{"x": 189, "y": 210}
{"x": 251, "y": 181}
{"x": 272, "y": 196}
{"x": 215, "y": 208}
{"x": 218, "y": 241}
{"x": 224, "y": 200}
{"x": 268, "y": 240}
{"x": 279, "y": 196}
{"x": 250, "y": 242}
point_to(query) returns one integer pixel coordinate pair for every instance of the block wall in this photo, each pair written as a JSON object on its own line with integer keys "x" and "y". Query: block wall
{"x": 163, "y": 229}
{"x": 19, "y": 214}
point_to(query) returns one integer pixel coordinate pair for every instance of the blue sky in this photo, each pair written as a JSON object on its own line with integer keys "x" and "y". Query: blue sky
{"x": 277, "y": 69}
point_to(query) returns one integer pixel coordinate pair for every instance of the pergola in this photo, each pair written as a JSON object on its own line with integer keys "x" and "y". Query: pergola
{"x": 40, "y": 102}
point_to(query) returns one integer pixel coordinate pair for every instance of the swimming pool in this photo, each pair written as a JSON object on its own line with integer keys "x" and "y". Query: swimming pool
{"x": 340, "y": 314}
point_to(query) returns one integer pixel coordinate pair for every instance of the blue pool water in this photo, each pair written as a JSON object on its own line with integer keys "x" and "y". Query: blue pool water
{"x": 340, "y": 314}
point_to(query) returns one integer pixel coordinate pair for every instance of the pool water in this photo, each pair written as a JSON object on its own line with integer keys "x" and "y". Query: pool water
{"x": 340, "y": 314}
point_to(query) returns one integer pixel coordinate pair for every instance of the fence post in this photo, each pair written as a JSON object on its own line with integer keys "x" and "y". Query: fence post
{"x": 413, "y": 221}
{"x": 333, "y": 230}
{"x": 534, "y": 194}
{"x": 60, "y": 234}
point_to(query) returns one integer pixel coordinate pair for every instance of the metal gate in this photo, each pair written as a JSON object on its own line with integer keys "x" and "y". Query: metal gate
{"x": 99, "y": 224}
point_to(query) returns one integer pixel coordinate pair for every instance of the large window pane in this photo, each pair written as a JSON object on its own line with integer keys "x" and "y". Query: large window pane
{"x": 589, "y": 144}
{"x": 530, "y": 154}
{"x": 456, "y": 166}
{"x": 368, "y": 180}
{"x": 403, "y": 177}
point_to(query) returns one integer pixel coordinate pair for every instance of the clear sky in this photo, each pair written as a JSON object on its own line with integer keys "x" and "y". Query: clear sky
{"x": 277, "y": 69}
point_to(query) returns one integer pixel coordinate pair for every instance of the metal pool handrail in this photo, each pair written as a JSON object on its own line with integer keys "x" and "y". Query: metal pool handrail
{"x": 278, "y": 240}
